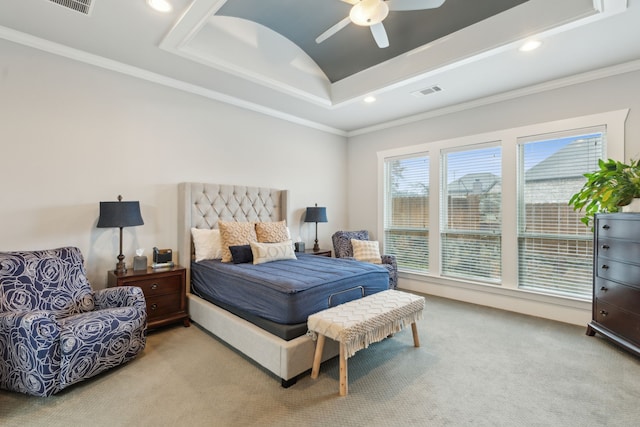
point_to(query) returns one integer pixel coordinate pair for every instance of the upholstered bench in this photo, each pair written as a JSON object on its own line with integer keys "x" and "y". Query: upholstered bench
{"x": 361, "y": 322}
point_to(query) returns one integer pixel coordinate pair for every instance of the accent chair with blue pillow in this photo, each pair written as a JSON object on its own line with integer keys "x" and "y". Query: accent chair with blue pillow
{"x": 54, "y": 329}
{"x": 343, "y": 248}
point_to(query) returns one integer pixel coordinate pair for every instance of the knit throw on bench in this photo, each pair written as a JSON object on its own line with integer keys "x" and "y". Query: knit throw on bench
{"x": 361, "y": 322}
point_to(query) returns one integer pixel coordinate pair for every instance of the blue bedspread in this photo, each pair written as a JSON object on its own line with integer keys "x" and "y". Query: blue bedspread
{"x": 286, "y": 291}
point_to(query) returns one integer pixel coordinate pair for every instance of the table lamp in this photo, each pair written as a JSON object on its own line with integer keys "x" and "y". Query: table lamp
{"x": 119, "y": 214}
{"x": 316, "y": 214}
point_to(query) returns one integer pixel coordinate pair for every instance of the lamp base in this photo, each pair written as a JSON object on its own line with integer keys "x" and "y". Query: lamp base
{"x": 316, "y": 247}
{"x": 121, "y": 268}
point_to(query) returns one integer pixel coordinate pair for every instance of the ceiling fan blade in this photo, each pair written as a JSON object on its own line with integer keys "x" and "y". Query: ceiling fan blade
{"x": 350, "y": 1}
{"x": 331, "y": 31}
{"x": 380, "y": 35}
{"x": 413, "y": 4}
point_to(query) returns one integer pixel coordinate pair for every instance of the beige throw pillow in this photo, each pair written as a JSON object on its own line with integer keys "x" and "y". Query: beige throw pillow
{"x": 235, "y": 234}
{"x": 366, "y": 250}
{"x": 272, "y": 232}
{"x": 267, "y": 252}
{"x": 207, "y": 243}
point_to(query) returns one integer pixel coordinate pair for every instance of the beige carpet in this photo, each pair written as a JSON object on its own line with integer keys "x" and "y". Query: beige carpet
{"x": 476, "y": 367}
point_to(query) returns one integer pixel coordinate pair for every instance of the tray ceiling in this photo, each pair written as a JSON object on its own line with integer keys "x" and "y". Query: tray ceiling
{"x": 262, "y": 55}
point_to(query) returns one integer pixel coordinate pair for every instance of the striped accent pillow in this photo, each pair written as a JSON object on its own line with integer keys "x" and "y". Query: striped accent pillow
{"x": 366, "y": 250}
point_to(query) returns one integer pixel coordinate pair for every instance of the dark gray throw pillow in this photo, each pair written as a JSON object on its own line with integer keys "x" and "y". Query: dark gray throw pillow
{"x": 241, "y": 254}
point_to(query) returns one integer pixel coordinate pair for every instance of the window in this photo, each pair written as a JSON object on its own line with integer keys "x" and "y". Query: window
{"x": 554, "y": 247}
{"x": 489, "y": 212}
{"x": 406, "y": 207}
{"x": 471, "y": 213}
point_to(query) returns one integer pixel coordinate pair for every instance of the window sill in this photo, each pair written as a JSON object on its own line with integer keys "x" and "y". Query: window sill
{"x": 561, "y": 308}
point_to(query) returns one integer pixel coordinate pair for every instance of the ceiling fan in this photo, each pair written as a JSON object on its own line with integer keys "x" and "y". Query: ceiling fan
{"x": 371, "y": 13}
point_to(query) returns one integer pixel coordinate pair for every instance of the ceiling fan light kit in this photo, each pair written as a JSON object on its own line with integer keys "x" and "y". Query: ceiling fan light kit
{"x": 368, "y": 12}
{"x": 371, "y": 13}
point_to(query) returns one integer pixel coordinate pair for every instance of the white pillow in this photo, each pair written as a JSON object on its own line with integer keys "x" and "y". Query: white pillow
{"x": 267, "y": 252}
{"x": 366, "y": 250}
{"x": 207, "y": 243}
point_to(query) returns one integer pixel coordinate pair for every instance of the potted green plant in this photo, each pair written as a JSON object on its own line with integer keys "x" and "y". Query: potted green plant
{"x": 613, "y": 185}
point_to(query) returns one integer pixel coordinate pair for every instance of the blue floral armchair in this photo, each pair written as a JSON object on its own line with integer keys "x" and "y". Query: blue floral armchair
{"x": 343, "y": 249}
{"x": 54, "y": 329}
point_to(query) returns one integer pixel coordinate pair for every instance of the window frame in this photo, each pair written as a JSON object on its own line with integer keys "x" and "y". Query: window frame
{"x": 615, "y": 124}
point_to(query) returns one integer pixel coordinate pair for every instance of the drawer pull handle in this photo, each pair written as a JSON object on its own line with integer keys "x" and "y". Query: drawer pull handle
{"x": 605, "y": 267}
{"x": 154, "y": 306}
{"x": 604, "y": 289}
{"x": 606, "y": 226}
{"x": 604, "y": 312}
{"x": 154, "y": 286}
{"x": 605, "y": 247}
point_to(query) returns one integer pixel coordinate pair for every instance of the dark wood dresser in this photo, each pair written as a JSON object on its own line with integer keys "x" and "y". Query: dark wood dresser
{"x": 616, "y": 279}
{"x": 164, "y": 290}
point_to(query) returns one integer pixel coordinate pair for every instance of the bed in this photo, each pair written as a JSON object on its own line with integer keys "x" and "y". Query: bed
{"x": 280, "y": 344}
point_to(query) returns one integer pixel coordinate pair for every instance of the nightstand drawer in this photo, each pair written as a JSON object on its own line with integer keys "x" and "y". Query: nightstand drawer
{"x": 164, "y": 291}
{"x": 159, "y": 285}
{"x": 162, "y": 305}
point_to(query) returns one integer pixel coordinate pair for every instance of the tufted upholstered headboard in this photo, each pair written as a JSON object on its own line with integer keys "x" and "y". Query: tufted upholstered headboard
{"x": 200, "y": 205}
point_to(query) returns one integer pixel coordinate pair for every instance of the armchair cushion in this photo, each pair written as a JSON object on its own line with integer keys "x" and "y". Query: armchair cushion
{"x": 342, "y": 242}
{"x": 366, "y": 250}
{"x": 54, "y": 331}
{"x": 343, "y": 249}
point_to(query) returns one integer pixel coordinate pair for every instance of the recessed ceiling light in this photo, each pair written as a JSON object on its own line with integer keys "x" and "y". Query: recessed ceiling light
{"x": 370, "y": 99}
{"x": 530, "y": 45}
{"x": 160, "y": 5}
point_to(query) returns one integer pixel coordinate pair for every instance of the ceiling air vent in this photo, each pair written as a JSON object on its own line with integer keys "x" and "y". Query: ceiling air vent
{"x": 82, "y": 6}
{"x": 427, "y": 91}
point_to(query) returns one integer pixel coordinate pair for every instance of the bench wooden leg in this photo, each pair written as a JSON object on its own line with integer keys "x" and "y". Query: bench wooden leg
{"x": 344, "y": 375}
{"x": 416, "y": 340}
{"x": 317, "y": 357}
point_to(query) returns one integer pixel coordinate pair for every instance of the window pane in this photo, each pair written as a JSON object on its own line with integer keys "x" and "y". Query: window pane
{"x": 471, "y": 213}
{"x": 555, "y": 249}
{"x": 406, "y": 216}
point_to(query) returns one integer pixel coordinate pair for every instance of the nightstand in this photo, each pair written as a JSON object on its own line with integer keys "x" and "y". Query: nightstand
{"x": 321, "y": 252}
{"x": 164, "y": 290}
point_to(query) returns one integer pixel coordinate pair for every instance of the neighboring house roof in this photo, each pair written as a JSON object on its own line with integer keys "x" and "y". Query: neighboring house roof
{"x": 475, "y": 183}
{"x": 562, "y": 164}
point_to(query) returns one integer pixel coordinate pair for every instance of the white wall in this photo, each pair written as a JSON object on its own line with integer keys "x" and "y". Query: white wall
{"x": 72, "y": 135}
{"x": 606, "y": 94}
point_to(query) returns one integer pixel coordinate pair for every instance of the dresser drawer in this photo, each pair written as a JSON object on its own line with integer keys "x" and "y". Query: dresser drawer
{"x": 621, "y": 250}
{"x": 158, "y": 285}
{"x": 625, "y": 297}
{"x": 608, "y": 226}
{"x": 621, "y": 272}
{"x": 616, "y": 319}
{"x": 162, "y": 305}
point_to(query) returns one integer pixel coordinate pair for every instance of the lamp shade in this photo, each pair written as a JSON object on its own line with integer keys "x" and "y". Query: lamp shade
{"x": 119, "y": 214}
{"x": 316, "y": 214}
